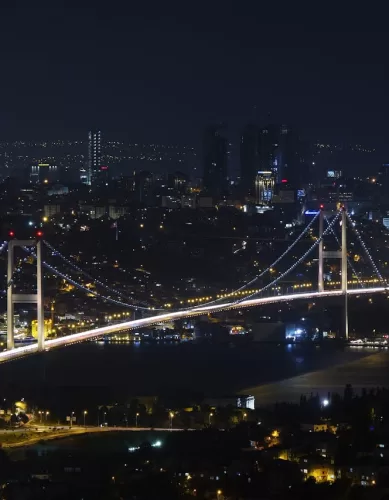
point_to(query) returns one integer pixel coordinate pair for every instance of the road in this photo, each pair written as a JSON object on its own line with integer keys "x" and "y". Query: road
{"x": 175, "y": 315}
{"x": 32, "y": 434}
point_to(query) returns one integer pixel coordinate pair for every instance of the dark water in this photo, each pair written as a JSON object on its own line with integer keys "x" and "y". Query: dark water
{"x": 109, "y": 441}
{"x": 103, "y": 373}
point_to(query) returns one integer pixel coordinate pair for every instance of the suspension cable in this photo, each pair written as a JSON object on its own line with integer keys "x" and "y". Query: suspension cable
{"x": 375, "y": 268}
{"x": 293, "y": 266}
{"x": 85, "y": 273}
{"x": 348, "y": 258}
{"x": 249, "y": 283}
{"x": 66, "y": 277}
{"x": 79, "y": 269}
{"x": 17, "y": 269}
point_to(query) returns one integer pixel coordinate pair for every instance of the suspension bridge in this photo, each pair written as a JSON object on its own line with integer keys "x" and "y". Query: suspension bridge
{"x": 327, "y": 222}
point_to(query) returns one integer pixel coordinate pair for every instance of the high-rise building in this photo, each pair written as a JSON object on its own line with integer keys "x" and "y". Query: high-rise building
{"x": 84, "y": 177}
{"x": 94, "y": 155}
{"x": 144, "y": 186}
{"x": 268, "y": 144}
{"x": 292, "y": 158}
{"x": 249, "y": 158}
{"x": 264, "y": 187}
{"x": 215, "y": 161}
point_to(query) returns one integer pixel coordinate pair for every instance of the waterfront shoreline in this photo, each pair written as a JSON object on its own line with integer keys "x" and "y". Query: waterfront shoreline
{"x": 332, "y": 379}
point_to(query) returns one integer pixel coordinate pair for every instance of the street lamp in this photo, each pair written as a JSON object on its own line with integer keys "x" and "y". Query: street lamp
{"x": 244, "y": 416}
{"x": 209, "y": 418}
{"x": 71, "y": 418}
{"x": 171, "y": 415}
{"x": 46, "y": 415}
{"x": 85, "y": 413}
{"x": 104, "y": 423}
{"x": 136, "y": 419}
{"x": 219, "y": 494}
{"x": 40, "y": 416}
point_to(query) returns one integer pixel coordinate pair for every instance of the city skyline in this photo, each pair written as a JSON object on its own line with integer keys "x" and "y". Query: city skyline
{"x": 195, "y": 203}
{"x": 353, "y": 160}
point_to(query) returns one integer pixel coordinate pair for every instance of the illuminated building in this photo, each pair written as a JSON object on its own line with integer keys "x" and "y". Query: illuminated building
{"x": 334, "y": 174}
{"x": 44, "y": 173}
{"x": 84, "y": 176}
{"x": 51, "y": 210}
{"x": 238, "y": 330}
{"x": 241, "y": 401}
{"x": 115, "y": 212}
{"x": 264, "y": 187}
{"x": 48, "y": 328}
{"x": 94, "y": 155}
{"x": 322, "y": 470}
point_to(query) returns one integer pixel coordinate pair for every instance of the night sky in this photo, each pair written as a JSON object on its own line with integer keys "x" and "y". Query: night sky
{"x": 161, "y": 71}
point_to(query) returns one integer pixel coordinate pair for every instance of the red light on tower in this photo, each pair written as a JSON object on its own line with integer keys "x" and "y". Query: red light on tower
{"x": 11, "y": 234}
{"x": 39, "y": 234}
{"x": 321, "y": 207}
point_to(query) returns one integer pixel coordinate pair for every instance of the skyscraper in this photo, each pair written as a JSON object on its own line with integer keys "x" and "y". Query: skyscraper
{"x": 94, "y": 155}
{"x": 292, "y": 158}
{"x": 264, "y": 187}
{"x": 215, "y": 161}
{"x": 249, "y": 158}
{"x": 268, "y": 144}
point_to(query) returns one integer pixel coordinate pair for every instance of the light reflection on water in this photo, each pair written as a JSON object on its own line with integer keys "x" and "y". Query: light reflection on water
{"x": 125, "y": 370}
{"x": 366, "y": 372}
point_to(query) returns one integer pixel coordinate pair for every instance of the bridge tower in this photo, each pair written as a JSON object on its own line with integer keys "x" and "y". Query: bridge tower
{"x": 339, "y": 254}
{"x": 26, "y": 298}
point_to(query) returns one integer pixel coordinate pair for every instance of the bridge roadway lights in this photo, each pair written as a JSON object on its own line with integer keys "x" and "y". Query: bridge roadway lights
{"x": 26, "y": 298}
{"x": 27, "y": 350}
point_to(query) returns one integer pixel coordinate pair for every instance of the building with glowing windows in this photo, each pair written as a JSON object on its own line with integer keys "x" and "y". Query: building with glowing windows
{"x": 94, "y": 156}
{"x": 44, "y": 173}
{"x": 264, "y": 187}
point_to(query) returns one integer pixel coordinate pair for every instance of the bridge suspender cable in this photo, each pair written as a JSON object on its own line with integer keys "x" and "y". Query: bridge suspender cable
{"x": 293, "y": 266}
{"x": 94, "y": 280}
{"x": 16, "y": 270}
{"x": 375, "y": 268}
{"x": 249, "y": 283}
{"x": 348, "y": 258}
{"x": 84, "y": 288}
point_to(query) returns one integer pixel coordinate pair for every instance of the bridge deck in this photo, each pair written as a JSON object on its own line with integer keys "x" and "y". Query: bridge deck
{"x": 19, "y": 352}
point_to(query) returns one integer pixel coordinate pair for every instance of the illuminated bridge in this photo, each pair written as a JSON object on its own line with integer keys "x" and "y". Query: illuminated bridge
{"x": 33, "y": 249}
